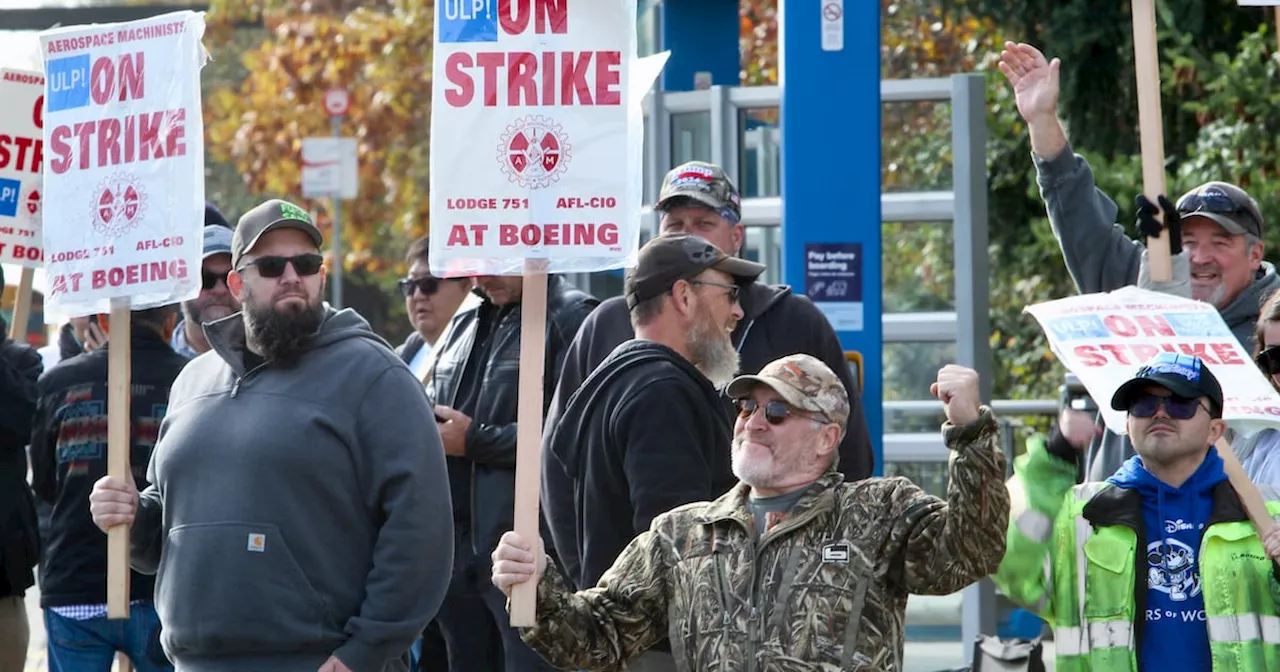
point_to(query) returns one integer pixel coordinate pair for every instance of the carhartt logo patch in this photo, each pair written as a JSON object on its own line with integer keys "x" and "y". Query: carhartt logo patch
{"x": 258, "y": 543}
{"x": 837, "y": 553}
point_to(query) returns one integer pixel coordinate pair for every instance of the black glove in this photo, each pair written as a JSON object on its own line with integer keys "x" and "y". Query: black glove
{"x": 1149, "y": 226}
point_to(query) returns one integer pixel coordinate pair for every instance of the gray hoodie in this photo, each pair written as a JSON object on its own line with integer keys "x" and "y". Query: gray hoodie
{"x": 296, "y": 512}
{"x": 1101, "y": 258}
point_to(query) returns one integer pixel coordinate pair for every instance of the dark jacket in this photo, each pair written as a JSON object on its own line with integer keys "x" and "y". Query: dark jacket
{"x": 69, "y": 454}
{"x": 776, "y": 323}
{"x": 642, "y": 436}
{"x": 488, "y": 470}
{"x": 410, "y": 347}
{"x": 19, "y": 531}
{"x": 300, "y": 509}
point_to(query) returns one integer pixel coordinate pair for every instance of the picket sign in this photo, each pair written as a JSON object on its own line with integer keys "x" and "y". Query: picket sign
{"x": 536, "y": 171}
{"x": 1151, "y": 128}
{"x": 21, "y": 119}
{"x": 1104, "y": 338}
{"x": 123, "y": 178}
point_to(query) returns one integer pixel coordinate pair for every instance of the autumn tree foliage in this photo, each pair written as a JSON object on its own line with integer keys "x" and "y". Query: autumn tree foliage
{"x": 381, "y": 53}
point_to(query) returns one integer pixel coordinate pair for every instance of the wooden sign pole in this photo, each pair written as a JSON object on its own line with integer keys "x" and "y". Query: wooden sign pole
{"x": 1151, "y": 126}
{"x": 533, "y": 337}
{"x": 1254, "y": 506}
{"x": 22, "y": 306}
{"x": 119, "y": 388}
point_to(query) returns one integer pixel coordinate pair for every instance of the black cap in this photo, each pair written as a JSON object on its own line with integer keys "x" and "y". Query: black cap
{"x": 213, "y": 216}
{"x": 666, "y": 260}
{"x": 1224, "y": 204}
{"x": 1183, "y": 375}
{"x": 270, "y": 216}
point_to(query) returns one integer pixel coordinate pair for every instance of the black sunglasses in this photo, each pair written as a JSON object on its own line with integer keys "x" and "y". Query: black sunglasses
{"x": 273, "y": 267}
{"x": 1178, "y": 408}
{"x": 1214, "y": 203}
{"x": 427, "y": 286}
{"x": 775, "y": 412}
{"x": 210, "y": 280}
{"x": 1269, "y": 360}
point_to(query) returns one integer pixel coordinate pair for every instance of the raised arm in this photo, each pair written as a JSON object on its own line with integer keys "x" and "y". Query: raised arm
{"x": 941, "y": 547}
{"x": 1098, "y": 254}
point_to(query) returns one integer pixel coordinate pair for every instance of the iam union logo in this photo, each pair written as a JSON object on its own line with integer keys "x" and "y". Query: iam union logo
{"x": 534, "y": 152}
{"x": 118, "y": 204}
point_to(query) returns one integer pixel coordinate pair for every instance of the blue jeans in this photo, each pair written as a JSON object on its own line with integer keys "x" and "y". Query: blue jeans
{"x": 91, "y": 645}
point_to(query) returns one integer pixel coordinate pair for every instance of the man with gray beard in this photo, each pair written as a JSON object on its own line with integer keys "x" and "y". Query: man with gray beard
{"x": 644, "y": 432}
{"x": 298, "y": 494}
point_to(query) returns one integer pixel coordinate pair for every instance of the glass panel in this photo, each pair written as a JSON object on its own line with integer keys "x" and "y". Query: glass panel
{"x": 918, "y": 267}
{"x": 915, "y": 146}
{"x": 760, "y": 159}
{"x": 647, "y": 28}
{"x": 690, "y": 138}
{"x": 763, "y": 245}
{"x": 909, "y": 369}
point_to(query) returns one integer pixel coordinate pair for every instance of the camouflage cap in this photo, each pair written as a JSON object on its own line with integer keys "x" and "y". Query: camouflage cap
{"x": 705, "y": 183}
{"x": 802, "y": 381}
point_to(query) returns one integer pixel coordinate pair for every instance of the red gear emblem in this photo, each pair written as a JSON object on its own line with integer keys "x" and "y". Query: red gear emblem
{"x": 534, "y": 152}
{"x": 118, "y": 205}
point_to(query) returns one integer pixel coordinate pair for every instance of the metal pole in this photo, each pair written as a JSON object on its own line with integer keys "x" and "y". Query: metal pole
{"x": 336, "y": 123}
{"x": 973, "y": 277}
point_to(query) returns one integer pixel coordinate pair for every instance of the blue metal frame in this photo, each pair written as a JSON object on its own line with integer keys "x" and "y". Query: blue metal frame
{"x": 831, "y": 165}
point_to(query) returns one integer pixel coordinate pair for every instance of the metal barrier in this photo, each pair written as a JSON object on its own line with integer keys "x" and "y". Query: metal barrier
{"x": 724, "y": 125}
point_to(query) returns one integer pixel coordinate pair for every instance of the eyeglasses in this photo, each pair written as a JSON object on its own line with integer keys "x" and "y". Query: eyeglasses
{"x": 1269, "y": 360}
{"x": 733, "y": 289}
{"x": 273, "y": 267}
{"x": 1213, "y": 202}
{"x": 775, "y": 412}
{"x": 1178, "y": 408}
{"x": 427, "y": 286}
{"x": 210, "y": 280}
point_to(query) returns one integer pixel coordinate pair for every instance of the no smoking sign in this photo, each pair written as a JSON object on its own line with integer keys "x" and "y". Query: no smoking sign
{"x": 336, "y": 102}
{"x": 833, "y": 25}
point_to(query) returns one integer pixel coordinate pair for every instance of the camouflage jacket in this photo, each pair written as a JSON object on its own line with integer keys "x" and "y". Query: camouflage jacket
{"x": 824, "y": 590}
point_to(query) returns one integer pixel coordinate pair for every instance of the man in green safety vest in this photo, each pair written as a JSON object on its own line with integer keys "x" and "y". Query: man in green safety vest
{"x": 1158, "y": 567}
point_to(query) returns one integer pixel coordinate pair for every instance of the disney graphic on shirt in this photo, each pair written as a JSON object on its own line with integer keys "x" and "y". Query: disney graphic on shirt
{"x": 1172, "y": 569}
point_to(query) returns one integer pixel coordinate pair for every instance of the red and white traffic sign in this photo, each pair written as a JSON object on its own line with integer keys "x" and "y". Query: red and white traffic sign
{"x": 336, "y": 102}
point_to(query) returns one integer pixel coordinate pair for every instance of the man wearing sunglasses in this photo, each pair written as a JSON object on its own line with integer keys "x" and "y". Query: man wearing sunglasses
{"x": 430, "y": 303}
{"x": 792, "y": 569}
{"x": 215, "y": 300}
{"x": 644, "y": 433}
{"x": 700, "y": 199}
{"x": 298, "y": 493}
{"x": 1159, "y": 563}
{"x": 1218, "y": 227}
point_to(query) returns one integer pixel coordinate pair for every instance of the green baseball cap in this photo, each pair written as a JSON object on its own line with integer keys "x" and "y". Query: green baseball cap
{"x": 267, "y": 217}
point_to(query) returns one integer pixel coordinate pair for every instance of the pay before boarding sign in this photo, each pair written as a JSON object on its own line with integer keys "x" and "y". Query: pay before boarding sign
{"x": 537, "y": 135}
{"x": 124, "y": 162}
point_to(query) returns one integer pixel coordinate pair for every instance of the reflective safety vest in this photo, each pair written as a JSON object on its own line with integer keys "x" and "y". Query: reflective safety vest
{"x": 1073, "y": 559}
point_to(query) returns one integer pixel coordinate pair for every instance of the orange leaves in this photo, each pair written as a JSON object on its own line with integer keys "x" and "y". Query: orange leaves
{"x": 379, "y": 52}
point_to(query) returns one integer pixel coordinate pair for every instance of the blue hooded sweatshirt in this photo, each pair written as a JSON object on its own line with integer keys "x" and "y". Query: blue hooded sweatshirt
{"x": 1176, "y": 636}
